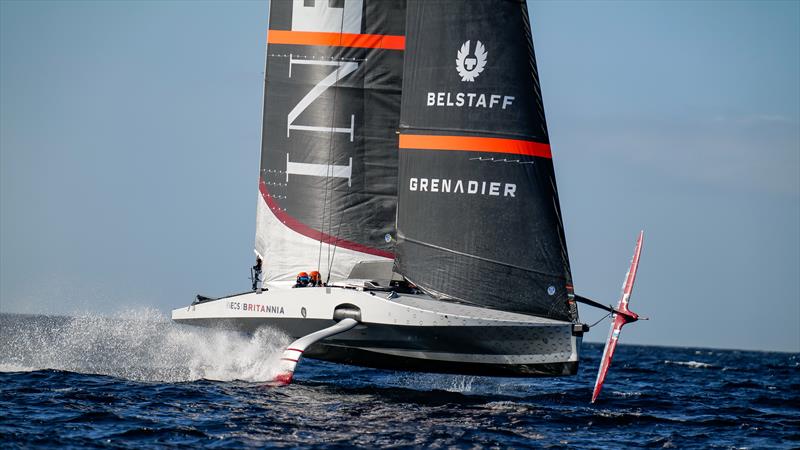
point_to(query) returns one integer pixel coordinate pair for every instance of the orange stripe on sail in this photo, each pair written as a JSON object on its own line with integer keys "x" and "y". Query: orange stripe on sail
{"x": 475, "y": 144}
{"x": 384, "y": 41}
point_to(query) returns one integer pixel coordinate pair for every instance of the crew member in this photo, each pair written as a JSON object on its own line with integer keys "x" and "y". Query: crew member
{"x": 256, "y": 273}
{"x": 316, "y": 279}
{"x": 302, "y": 280}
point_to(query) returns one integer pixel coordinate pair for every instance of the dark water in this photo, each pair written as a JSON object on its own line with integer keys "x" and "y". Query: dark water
{"x": 92, "y": 381}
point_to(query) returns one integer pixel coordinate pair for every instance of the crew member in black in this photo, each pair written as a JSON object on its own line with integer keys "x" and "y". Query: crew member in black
{"x": 257, "y": 273}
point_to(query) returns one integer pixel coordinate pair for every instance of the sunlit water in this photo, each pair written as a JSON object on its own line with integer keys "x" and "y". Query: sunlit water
{"x": 137, "y": 380}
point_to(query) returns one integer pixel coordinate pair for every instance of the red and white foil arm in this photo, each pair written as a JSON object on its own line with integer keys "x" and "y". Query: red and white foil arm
{"x": 295, "y": 350}
{"x": 619, "y": 319}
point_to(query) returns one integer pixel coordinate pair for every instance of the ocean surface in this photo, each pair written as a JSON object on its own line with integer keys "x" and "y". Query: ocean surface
{"x": 138, "y": 381}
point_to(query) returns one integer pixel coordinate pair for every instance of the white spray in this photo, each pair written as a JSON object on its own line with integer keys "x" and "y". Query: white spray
{"x": 140, "y": 345}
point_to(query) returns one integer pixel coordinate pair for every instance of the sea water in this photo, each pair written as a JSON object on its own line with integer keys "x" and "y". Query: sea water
{"x": 137, "y": 380}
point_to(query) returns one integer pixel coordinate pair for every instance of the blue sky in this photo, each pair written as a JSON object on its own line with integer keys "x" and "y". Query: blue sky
{"x": 130, "y": 136}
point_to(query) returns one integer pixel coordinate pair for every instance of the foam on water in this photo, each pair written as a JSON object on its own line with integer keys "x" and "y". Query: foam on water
{"x": 692, "y": 364}
{"x": 428, "y": 381}
{"x": 140, "y": 345}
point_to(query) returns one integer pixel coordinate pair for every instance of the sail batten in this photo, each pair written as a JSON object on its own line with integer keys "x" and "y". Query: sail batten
{"x": 510, "y": 265}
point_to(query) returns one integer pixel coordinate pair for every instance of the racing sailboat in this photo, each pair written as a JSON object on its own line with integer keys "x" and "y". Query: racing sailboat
{"x": 405, "y": 156}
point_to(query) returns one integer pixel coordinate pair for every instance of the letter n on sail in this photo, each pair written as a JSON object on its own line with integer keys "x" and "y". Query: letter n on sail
{"x": 319, "y": 170}
{"x": 342, "y": 70}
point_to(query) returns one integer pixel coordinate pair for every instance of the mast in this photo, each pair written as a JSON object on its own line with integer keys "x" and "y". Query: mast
{"x": 328, "y": 179}
{"x": 479, "y": 219}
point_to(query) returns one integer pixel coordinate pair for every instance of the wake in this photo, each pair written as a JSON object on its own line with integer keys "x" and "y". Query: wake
{"x": 139, "y": 345}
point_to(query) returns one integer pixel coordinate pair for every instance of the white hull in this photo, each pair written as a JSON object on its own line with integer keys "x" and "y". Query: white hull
{"x": 402, "y": 331}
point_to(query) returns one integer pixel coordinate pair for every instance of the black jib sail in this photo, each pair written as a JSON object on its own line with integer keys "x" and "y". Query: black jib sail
{"x": 478, "y": 213}
{"x": 328, "y": 180}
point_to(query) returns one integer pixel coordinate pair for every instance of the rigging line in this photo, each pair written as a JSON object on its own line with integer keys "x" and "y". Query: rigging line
{"x": 561, "y": 240}
{"x": 329, "y": 180}
{"x": 573, "y": 309}
{"x": 330, "y": 169}
{"x": 321, "y": 232}
{"x": 601, "y": 319}
{"x": 326, "y": 207}
{"x": 336, "y": 241}
{"x": 609, "y": 308}
{"x": 556, "y": 307}
{"x": 557, "y": 210}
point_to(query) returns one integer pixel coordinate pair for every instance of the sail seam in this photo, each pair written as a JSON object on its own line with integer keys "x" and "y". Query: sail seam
{"x": 481, "y": 258}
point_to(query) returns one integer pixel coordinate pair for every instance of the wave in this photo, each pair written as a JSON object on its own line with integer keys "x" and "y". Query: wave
{"x": 623, "y": 394}
{"x": 139, "y": 345}
{"x": 692, "y": 364}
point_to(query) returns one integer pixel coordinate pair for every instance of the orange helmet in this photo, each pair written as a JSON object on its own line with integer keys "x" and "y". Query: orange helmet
{"x": 302, "y": 274}
{"x": 315, "y": 275}
{"x": 302, "y": 277}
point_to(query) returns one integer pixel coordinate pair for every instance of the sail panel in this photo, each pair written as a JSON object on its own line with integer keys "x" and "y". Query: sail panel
{"x": 328, "y": 179}
{"x": 478, "y": 213}
{"x": 473, "y": 70}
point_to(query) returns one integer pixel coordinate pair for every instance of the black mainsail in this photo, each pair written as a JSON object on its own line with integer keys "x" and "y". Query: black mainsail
{"x": 328, "y": 179}
{"x": 478, "y": 219}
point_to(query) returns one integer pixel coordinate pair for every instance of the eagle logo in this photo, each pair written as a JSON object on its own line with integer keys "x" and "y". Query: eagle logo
{"x": 470, "y": 67}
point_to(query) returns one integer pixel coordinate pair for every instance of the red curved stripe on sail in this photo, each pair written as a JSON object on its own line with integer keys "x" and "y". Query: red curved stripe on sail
{"x": 475, "y": 144}
{"x": 383, "y": 41}
{"x": 307, "y": 231}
